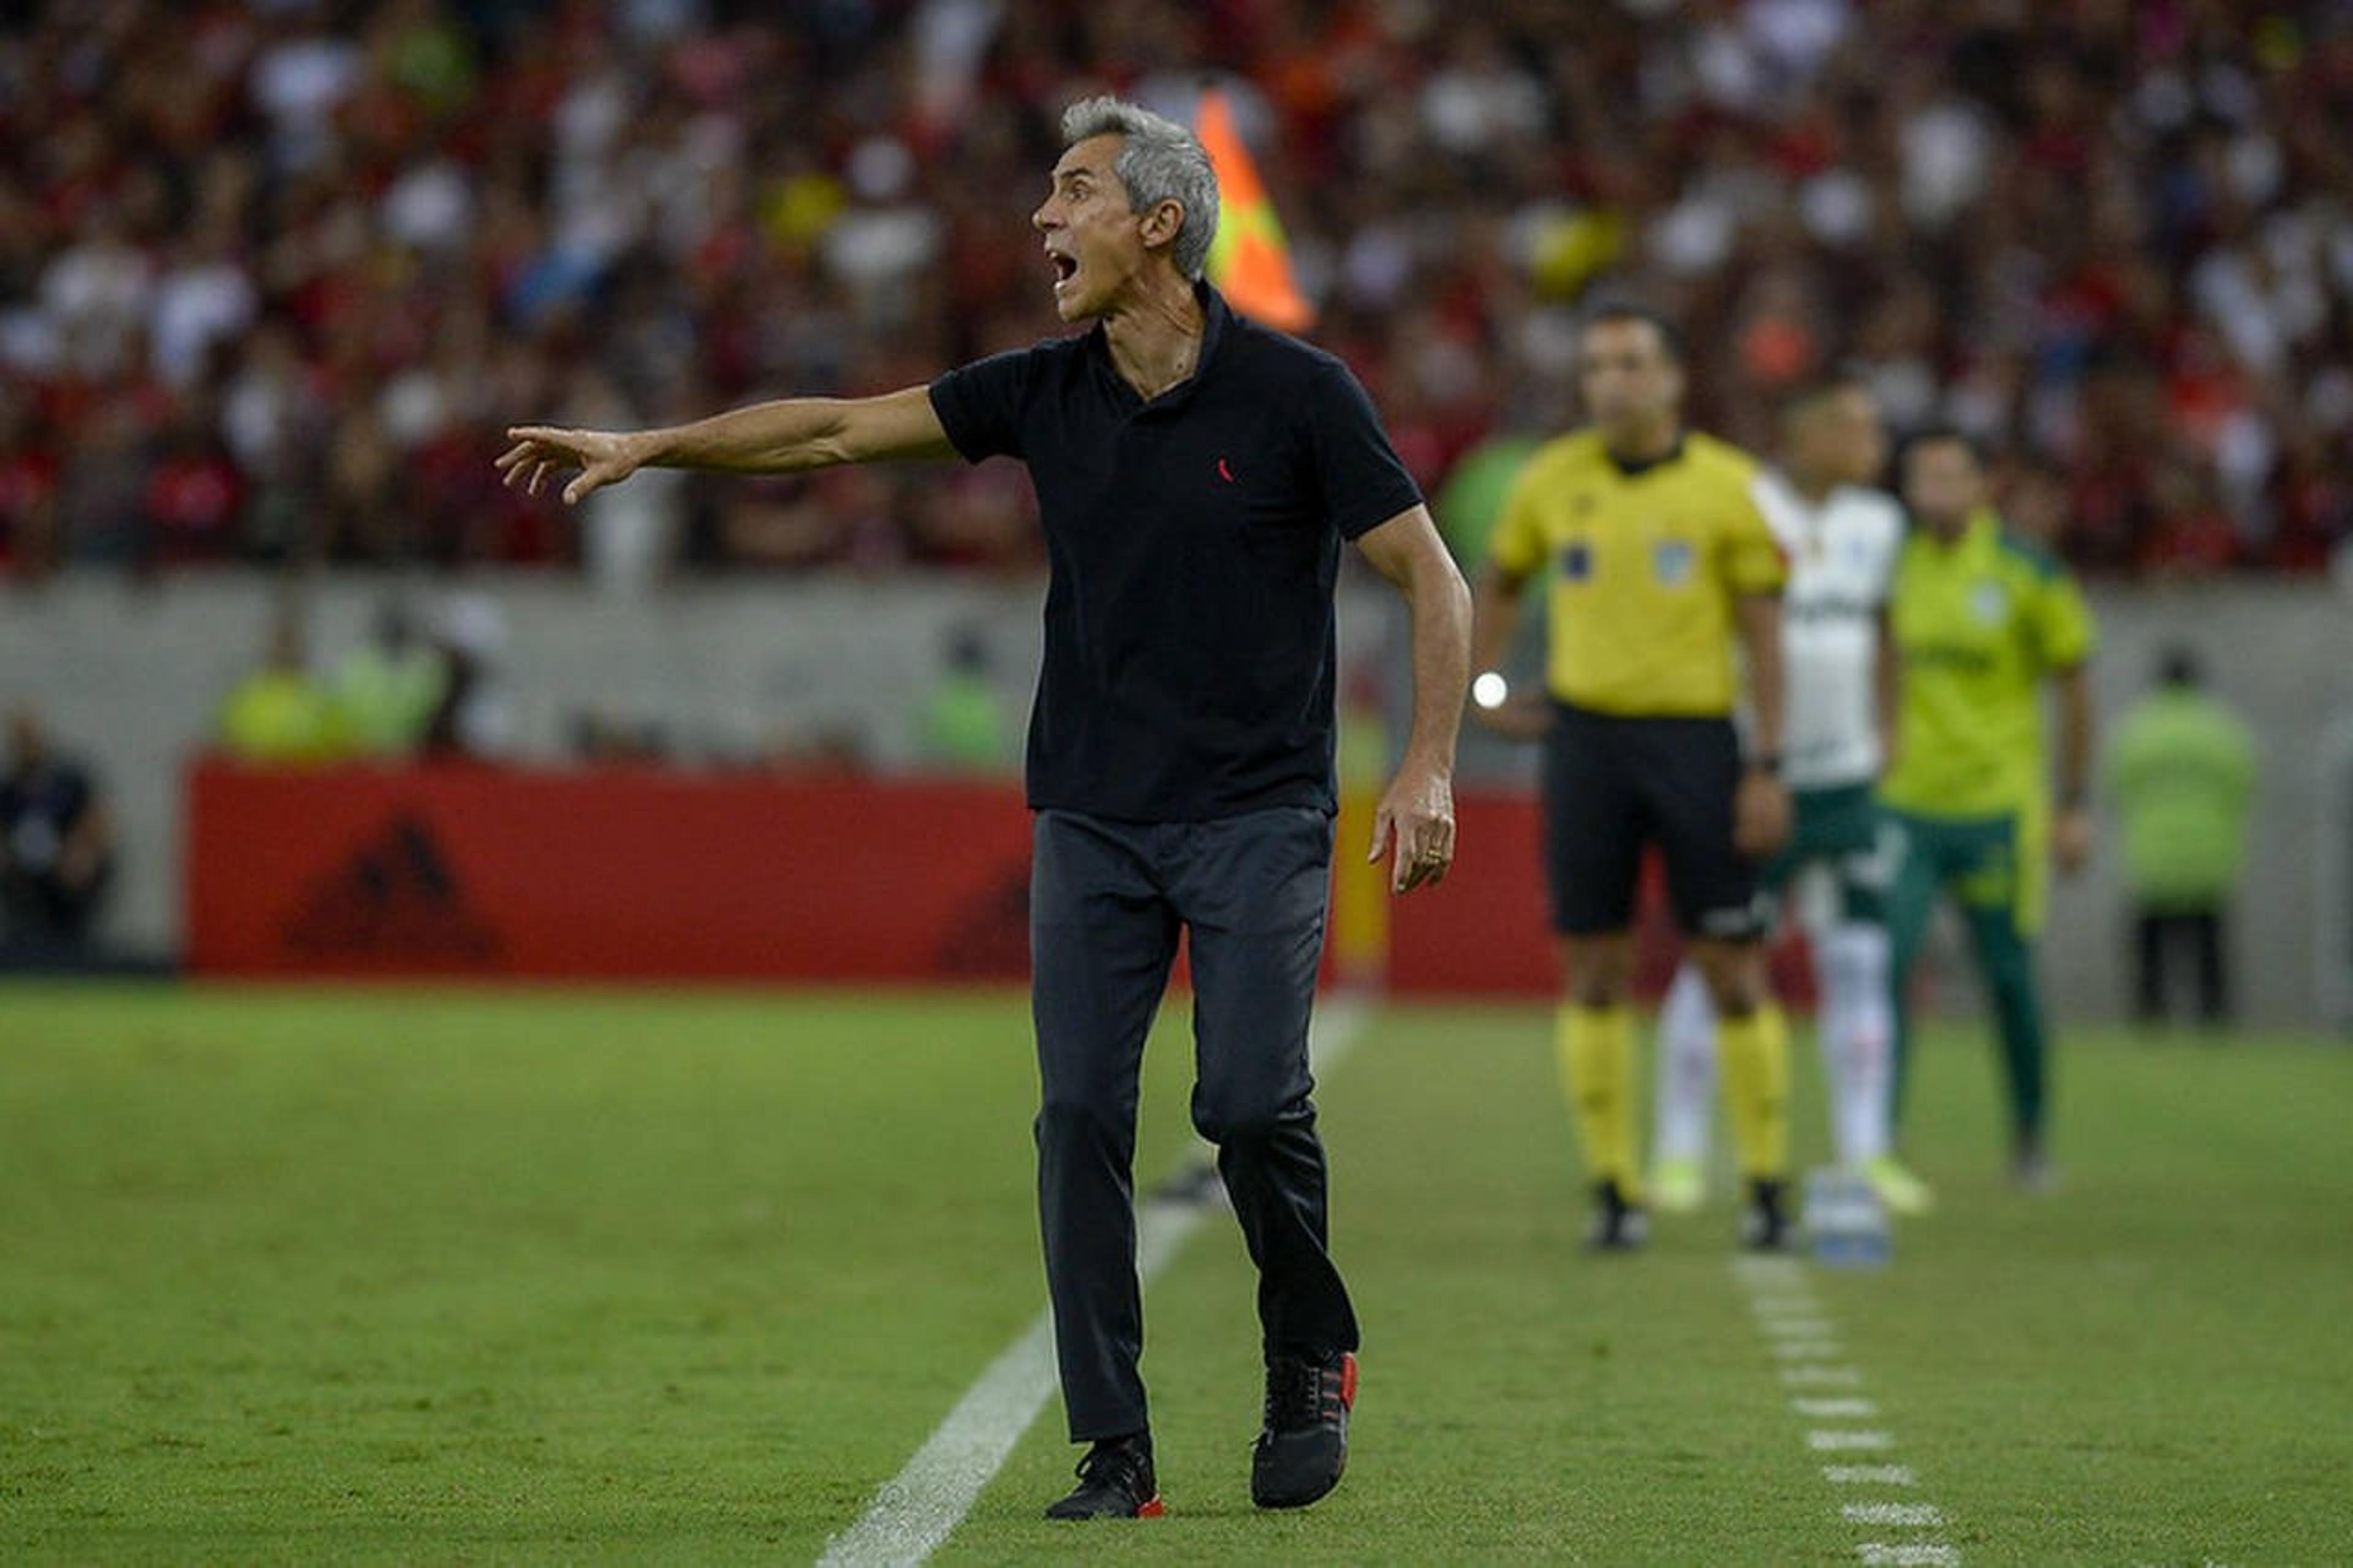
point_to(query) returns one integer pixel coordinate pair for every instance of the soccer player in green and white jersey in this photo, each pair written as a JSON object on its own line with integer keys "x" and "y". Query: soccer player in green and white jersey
{"x": 1841, "y": 537}
{"x": 1983, "y": 620}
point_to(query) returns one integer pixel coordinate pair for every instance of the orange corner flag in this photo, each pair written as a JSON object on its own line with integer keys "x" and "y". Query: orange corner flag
{"x": 1250, "y": 262}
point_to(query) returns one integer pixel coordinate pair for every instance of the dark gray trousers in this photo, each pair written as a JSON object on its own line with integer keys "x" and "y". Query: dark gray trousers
{"x": 1107, "y": 901}
{"x": 2158, "y": 935}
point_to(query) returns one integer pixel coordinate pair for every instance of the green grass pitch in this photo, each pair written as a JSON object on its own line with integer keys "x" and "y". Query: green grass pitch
{"x": 293, "y": 1274}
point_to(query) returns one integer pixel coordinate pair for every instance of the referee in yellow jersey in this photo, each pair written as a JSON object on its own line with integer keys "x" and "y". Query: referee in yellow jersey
{"x": 1661, "y": 561}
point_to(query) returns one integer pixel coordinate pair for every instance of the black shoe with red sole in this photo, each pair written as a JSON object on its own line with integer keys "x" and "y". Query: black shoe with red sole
{"x": 1116, "y": 1481}
{"x": 1303, "y": 1446}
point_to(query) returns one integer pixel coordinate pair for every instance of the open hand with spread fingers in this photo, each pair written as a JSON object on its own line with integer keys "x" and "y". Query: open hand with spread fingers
{"x": 602, "y": 457}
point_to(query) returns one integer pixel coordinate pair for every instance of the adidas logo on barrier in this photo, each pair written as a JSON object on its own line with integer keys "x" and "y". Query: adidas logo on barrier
{"x": 394, "y": 899}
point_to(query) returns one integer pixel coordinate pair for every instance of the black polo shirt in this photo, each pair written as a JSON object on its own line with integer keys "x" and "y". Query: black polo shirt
{"x": 1194, "y": 543}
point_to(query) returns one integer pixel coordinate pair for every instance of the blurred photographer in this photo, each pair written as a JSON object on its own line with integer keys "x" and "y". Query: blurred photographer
{"x": 56, "y": 848}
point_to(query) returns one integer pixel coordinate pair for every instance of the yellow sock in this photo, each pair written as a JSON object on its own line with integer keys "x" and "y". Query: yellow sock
{"x": 1754, "y": 1054}
{"x": 1596, "y": 1046}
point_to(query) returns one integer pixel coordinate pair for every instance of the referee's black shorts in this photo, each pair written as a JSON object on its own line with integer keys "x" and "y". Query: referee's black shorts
{"x": 1612, "y": 785}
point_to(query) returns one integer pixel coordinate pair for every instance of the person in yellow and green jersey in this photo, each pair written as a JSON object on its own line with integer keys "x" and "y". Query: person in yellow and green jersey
{"x": 280, "y": 712}
{"x": 1984, "y": 621}
{"x": 387, "y": 690}
{"x": 2181, "y": 773}
{"x": 961, "y": 727}
{"x": 1662, "y": 567}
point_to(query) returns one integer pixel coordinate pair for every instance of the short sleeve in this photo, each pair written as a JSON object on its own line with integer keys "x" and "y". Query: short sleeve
{"x": 2059, "y": 622}
{"x": 980, "y": 405}
{"x": 1518, "y": 545}
{"x": 1753, "y": 562}
{"x": 1363, "y": 480}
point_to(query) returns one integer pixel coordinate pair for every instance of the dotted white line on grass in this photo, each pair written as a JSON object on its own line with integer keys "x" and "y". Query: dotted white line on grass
{"x": 1807, "y": 1350}
{"x": 1799, "y": 1334}
{"x": 915, "y": 1509}
{"x": 1917, "y": 1514}
{"x": 1826, "y": 1409}
{"x": 1923, "y": 1555}
{"x": 1870, "y": 1476}
{"x": 1834, "y": 1376}
{"x": 1795, "y": 1327}
{"x": 1775, "y": 1292}
{"x": 1848, "y": 1440}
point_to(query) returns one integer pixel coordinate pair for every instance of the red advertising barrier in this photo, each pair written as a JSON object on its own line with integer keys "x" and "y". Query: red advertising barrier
{"x": 606, "y": 873}
{"x": 1486, "y": 928}
{"x": 646, "y": 874}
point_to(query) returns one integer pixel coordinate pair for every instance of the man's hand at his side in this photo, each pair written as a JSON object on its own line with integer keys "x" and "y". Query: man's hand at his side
{"x": 1760, "y": 814}
{"x": 1415, "y": 825}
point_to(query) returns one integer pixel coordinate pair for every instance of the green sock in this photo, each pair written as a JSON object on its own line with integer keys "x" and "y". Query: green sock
{"x": 2007, "y": 961}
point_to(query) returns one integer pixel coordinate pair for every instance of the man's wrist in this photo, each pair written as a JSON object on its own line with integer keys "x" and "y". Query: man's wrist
{"x": 1426, "y": 760}
{"x": 1766, "y": 763}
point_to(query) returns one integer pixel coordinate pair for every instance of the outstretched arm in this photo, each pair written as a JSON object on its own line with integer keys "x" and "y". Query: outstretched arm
{"x": 1415, "y": 821}
{"x": 780, "y": 437}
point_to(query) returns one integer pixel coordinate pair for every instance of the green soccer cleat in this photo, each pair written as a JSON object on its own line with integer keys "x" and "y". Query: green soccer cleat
{"x": 1902, "y": 1192}
{"x": 1678, "y": 1186}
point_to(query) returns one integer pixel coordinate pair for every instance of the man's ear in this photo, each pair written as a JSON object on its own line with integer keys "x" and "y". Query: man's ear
{"x": 1162, "y": 223}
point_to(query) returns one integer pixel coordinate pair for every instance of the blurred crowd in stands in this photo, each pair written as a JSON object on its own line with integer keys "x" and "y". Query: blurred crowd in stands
{"x": 275, "y": 275}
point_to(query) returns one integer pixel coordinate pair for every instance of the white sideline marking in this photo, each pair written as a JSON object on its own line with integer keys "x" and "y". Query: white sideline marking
{"x": 1783, "y": 1272}
{"x": 1837, "y": 1376}
{"x": 1804, "y": 1349}
{"x": 1797, "y": 1332}
{"x": 1924, "y": 1554}
{"x": 915, "y": 1509}
{"x": 1870, "y": 1475}
{"x": 1862, "y": 1409}
{"x": 1912, "y": 1514}
{"x": 1796, "y": 1327}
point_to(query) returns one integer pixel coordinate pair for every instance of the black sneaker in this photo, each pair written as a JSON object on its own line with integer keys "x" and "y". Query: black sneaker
{"x": 1765, "y": 1223}
{"x": 1618, "y": 1226}
{"x": 1304, "y": 1445}
{"x": 1115, "y": 1482}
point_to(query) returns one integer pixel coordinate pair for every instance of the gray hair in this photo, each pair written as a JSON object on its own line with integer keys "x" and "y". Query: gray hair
{"x": 1159, "y": 161}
